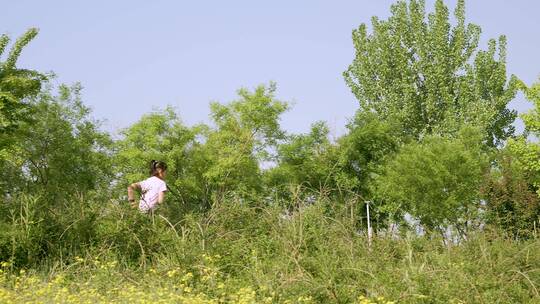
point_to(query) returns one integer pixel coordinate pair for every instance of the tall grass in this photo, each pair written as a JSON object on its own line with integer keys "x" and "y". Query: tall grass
{"x": 88, "y": 248}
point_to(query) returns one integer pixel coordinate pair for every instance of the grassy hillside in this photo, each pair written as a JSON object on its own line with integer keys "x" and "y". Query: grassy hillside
{"x": 237, "y": 253}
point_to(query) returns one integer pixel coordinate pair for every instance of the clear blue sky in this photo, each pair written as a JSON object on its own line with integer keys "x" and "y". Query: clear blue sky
{"x": 133, "y": 56}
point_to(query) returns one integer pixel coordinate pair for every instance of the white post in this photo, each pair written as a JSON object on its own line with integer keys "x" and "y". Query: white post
{"x": 369, "y": 232}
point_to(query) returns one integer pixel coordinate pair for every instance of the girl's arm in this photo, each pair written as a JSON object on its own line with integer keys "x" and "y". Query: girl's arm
{"x": 130, "y": 191}
{"x": 161, "y": 197}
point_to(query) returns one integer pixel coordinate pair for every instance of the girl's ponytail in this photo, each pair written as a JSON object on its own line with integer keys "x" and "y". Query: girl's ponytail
{"x": 155, "y": 165}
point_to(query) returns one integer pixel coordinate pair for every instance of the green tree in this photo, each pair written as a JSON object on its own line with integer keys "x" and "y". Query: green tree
{"x": 61, "y": 151}
{"x": 429, "y": 75}
{"x": 15, "y": 86}
{"x": 161, "y": 135}
{"x": 510, "y": 203}
{"x": 343, "y": 169}
{"x": 365, "y": 148}
{"x": 246, "y": 130}
{"x": 436, "y": 181}
{"x": 205, "y": 161}
{"x": 511, "y": 200}
{"x": 528, "y": 152}
{"x": 305, "y": 160}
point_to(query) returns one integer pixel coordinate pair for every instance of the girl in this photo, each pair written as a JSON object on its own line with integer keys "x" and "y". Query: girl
{"x": 152, "y": 189}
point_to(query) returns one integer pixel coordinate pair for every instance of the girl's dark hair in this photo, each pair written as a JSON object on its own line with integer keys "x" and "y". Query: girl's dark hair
{"x": 155, "y": 165}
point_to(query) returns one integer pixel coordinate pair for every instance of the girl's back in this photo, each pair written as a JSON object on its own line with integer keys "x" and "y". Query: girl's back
{"x": 150, "y": 189}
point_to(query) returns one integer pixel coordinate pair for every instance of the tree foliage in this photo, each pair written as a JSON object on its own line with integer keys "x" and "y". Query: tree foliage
{"x": 15, "y": 86}
{"x": 430, "y": 75}
{"x": 367, "y": 145}
{"x": 204, "y": 161}
{"x": 511, "y": 200}
{"x": 162, "y": 135}
{"x": 436, "y": 181}
{"x": 305, "y": 160}
{"x": 246, "y": 130}
{"x": 60, "y": 151}
{"x": 528, "y": 152}
{"x": 158, "y": 135}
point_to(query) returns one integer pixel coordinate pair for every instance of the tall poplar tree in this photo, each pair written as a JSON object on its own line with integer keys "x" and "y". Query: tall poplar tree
{"x": 428, "y": 73}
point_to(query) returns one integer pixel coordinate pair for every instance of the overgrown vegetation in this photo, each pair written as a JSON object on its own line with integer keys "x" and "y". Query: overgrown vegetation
{"x": 453, "y": 191}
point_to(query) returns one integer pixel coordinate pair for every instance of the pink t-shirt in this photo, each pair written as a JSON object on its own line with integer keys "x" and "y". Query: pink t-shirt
{"x": 151, "y": 188}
